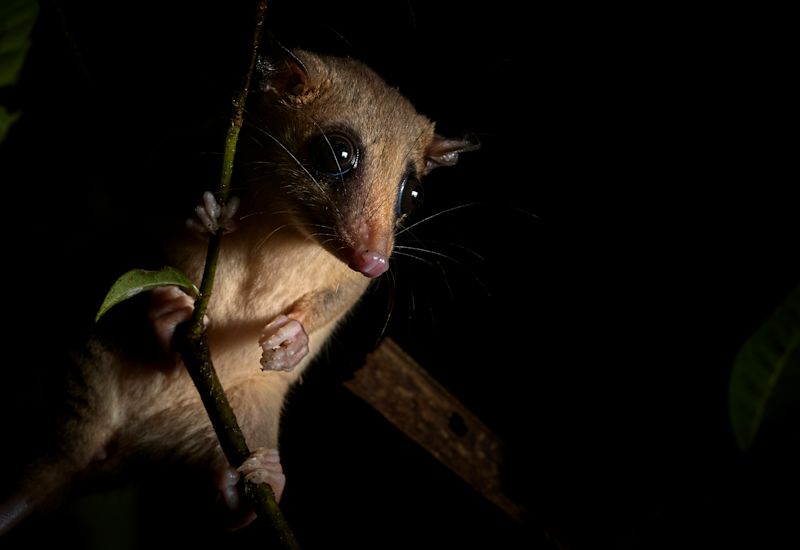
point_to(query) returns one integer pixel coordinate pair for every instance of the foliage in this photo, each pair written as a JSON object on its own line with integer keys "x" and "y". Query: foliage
{"x": 17, "y": 18}
{"x": 140, "y": 280}
{"x": 765, "y": 381}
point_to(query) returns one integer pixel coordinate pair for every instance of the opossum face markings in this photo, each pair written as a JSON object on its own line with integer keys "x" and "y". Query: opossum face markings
{"x": 335, "y": 155}
{"x": 410, "y": 196}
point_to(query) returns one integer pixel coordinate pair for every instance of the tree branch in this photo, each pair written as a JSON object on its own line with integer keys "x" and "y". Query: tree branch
{"x": 197, "y": 358}
{"x": 193, "y": 340}
{"x": 231, "y": 139}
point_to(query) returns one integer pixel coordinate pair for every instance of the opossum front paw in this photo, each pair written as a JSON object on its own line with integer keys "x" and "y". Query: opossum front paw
{"x": 169, "y": 307}
{"x": 211, "y": 216}
{"x": 263, "y": 466}
{"x": 284, "y": 343}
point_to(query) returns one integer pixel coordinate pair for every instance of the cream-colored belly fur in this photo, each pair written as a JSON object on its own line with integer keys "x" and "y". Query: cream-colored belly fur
{"x": 292, "y": 275}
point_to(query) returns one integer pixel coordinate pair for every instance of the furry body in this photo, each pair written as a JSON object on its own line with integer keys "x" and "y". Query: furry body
{"x": 308, "y": 240}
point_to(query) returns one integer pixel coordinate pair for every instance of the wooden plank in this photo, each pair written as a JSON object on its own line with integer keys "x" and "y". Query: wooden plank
{"x": 408, "y": 397}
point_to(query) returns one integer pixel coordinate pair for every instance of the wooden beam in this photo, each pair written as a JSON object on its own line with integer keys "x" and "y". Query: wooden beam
{"x": 408, "y": 397}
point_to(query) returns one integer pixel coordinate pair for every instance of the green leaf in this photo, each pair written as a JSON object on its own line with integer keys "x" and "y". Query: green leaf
{"x": 140, "y": 280}
{"x": 6, "y": 120}
{"x": 17, "y": 18}
{"x": 765, "y": 381}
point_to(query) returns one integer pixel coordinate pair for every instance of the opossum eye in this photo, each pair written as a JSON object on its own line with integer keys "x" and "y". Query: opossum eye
{"x": 334, "y": 154}
{"x": 410, "y": 196}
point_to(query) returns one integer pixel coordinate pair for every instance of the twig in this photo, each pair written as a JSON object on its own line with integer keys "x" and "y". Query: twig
{"x": 231, "y": 139}
{"x": 194, "y": 342}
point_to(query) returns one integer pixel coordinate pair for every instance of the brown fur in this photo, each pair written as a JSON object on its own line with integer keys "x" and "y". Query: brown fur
{"x": 287, "y": 256}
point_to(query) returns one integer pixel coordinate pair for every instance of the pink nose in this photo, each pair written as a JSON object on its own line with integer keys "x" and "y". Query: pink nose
{"x": 372, "y": 264}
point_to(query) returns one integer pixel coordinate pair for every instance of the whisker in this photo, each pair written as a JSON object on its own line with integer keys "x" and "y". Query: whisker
{"x": 524, "y": 212}
{"x": 389, "y": 306}
{"x": 333, "y": 153}
{"x": 435, "y": 253}
{"x": 330, "y": 147}
{"x": 267, "y": 213}
{"x": 407, "y": 255}
{"x": 264, "y": 241}
{"x": 291, "y": 155}
{"x": 323, "y": 243}
{"x": 324, "y": 234}
{"x": 413, "y": 303}
{"x": 446, "y": 282}
{"x": 466, "y": 249}
{"x": 340, "y": 36}
{"x": 401, "y": 250}
{"x": 432, "y": 216}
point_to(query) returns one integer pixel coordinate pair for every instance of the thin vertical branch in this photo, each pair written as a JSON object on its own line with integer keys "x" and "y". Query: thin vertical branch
{"x": 231, "y": 140}
{"x": 194, "y": 342}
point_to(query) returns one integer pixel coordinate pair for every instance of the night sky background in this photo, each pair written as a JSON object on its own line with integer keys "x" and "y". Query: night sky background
{"x": 630, "y": 224}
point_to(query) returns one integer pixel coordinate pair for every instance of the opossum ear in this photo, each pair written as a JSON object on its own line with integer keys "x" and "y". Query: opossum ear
{"x": 444, "y": 152}
{"x": 279, "y": 71}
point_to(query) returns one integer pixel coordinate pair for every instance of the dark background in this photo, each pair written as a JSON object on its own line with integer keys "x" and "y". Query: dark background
{"x": 629, "y": 225}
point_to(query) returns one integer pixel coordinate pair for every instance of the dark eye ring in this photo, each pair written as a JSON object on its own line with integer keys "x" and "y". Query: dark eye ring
{"x": 410, "y": 196}
{"x": 334, "y": 154}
